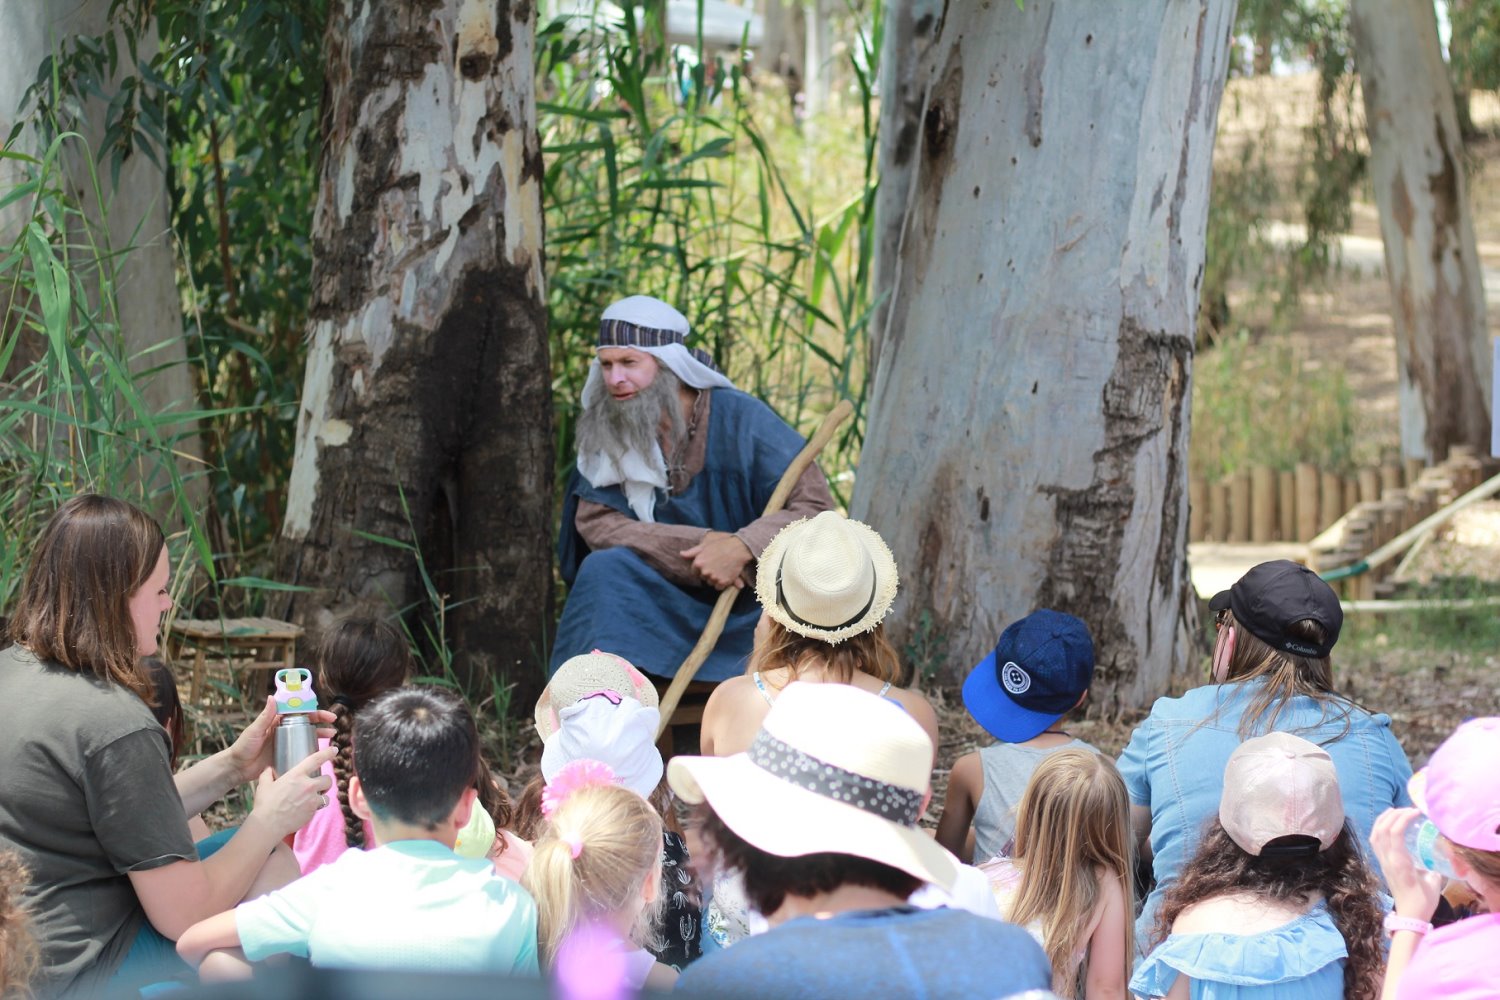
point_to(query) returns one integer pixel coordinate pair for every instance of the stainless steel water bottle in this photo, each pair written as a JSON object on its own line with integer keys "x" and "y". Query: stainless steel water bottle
{"x": 296, "y": 732}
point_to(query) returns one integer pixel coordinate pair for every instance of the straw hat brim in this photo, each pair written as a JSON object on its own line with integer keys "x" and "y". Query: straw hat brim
{"x": 789, "y": 822}
{"x": 887, "y": 581}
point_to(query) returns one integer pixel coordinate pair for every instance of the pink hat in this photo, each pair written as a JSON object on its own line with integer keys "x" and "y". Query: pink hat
{"x": 1280, "y": 785}
{"x": 1459, "y": 789}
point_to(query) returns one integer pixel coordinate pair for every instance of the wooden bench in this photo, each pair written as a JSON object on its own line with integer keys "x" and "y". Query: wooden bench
{"x": 239, "y": 652}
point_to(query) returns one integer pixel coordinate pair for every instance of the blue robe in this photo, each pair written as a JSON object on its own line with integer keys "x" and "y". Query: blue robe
{"x": 619, "y": 604}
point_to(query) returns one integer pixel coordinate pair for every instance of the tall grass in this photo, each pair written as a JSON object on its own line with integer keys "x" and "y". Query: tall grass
{"x": 72, "y": 417}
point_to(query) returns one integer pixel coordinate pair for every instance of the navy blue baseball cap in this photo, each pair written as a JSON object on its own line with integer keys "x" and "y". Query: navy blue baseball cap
{"x": 1035, "y": 674}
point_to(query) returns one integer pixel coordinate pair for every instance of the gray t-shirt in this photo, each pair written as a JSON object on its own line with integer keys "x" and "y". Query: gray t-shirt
{"x": 1007, "y": 770}
{"x": 88, "y": 796}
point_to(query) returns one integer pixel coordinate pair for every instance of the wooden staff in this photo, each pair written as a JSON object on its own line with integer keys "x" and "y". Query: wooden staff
{"x": 710, "y": 637}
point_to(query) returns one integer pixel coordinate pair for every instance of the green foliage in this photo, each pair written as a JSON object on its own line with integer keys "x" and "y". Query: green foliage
{"x": 1267, "y": 403}
{"x": 661, "y": 179}
{"x": 224, "y": 95}
{"x": 72, "y": 418}
{"x": 1476, "y": 62}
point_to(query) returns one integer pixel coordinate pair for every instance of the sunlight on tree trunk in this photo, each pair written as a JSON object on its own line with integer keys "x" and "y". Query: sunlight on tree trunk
{"x": 1432, "y": 263}
{"x": 1027, "y": 439}
{"x": 427, "y": 367}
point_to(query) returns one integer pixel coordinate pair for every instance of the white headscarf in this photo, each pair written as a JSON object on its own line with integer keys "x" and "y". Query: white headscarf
{"x": 640, "y": 476}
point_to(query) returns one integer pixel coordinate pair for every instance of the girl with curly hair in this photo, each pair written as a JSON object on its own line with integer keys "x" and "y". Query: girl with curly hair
{"x": 1277, "y": 901}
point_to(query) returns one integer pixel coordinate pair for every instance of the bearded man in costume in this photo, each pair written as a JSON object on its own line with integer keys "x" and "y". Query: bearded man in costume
{"x": 664, "y": 508}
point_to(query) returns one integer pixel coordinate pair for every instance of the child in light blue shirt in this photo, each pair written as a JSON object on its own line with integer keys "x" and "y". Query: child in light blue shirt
{"x": 411, "y": 903}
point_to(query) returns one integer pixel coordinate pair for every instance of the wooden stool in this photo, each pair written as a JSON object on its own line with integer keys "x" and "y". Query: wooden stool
{"x": 689, "y": 712}
{"x": 236, "y": 649}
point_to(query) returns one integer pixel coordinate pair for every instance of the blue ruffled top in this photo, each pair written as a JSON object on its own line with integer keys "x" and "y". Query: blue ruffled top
{"x": 1300, "y": 960}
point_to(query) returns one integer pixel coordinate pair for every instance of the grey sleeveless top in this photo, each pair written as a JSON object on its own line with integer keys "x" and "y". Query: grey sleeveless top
{"x": 1007, "y": 769}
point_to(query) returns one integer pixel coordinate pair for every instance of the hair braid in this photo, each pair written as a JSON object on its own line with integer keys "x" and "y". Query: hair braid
{"x": 343, "y": 770}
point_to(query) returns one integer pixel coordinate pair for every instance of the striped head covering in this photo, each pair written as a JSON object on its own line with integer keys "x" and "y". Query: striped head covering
{"x": 643, "y": 322}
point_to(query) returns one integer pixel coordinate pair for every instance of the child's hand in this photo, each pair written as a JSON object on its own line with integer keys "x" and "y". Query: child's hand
{"x": 1415, "y": 889}
{"x": 287, "y": 803}
{"x": 252, "y": 751}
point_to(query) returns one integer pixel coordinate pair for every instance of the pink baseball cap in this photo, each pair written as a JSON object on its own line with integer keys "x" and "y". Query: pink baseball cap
{"x": 1459, "y": 789}
{"x": 1280, "y": 785}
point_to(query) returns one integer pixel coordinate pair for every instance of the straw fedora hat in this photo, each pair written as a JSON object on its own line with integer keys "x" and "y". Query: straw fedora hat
{"x": 833, "y": 769}
{"x": 827, "y": 577}
{"x": 586, "y": 674}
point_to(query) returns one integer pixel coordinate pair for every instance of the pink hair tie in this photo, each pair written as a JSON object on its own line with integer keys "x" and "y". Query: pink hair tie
{"x": 577, "y": 775}
{"x": 575, "y": 844}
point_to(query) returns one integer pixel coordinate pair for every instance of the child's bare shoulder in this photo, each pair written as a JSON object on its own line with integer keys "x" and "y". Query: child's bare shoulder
{"x": 1236, "y": 914}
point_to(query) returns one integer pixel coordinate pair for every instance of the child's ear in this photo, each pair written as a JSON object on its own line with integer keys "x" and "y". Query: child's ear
{"x": 652, "y": 885}
{"x": 358, "y": 804}
{"x": 1081, "y": 699}
{"x": 464, "y": 810}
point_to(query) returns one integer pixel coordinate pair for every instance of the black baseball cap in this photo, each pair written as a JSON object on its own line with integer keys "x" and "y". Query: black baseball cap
{"x": 1276, "y": 595}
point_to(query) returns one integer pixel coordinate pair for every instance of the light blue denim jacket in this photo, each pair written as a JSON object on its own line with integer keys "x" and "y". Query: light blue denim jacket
{"x": 1174, "y": 764}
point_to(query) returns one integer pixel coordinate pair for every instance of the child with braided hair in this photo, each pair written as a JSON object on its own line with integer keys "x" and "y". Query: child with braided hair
{"x": 595, "y": 874}
{"x": 358, "y": 660}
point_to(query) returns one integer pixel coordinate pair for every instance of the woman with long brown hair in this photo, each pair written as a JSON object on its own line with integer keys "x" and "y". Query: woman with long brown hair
{"x": 1271, "y": 671}
{"x": 91, "y": 805}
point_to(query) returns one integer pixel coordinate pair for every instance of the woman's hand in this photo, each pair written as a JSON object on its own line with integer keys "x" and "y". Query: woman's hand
{"x": 254, "y": 750}
{"x": 287, "y": 803}
{"x": 1416, "y": 890}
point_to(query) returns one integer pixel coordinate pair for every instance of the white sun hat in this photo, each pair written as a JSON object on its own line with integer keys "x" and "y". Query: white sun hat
{"x": 827, "y": 577}
{"x": 589, "y": 674}
{"x": 833, "y": 769}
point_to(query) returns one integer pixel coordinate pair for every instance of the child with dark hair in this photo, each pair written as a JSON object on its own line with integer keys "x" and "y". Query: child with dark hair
{"x": 1277, "y": 902}
{"x": 411, "y": 902}
{"x": 819, "y": 818}
{"x": 358, "y": 660}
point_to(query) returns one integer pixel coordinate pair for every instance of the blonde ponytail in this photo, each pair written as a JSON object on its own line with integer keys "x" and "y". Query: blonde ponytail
{"x": 591, "y": 861}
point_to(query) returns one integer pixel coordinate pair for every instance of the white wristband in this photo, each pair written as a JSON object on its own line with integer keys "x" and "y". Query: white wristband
{"x": 1394, "y": 923}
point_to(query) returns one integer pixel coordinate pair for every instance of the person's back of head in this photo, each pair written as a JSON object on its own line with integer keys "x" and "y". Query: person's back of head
{"x": 595, "y": 861}
{"x": 416, "y": 752}
{"x": 1281, "y": 836}
{"x": 73, "y": 608}
{"x": 1278, "y": 624}
{"x": 358, "y": 659}
{"x": 1072, "y": 828}
{"x": 1039, "y": 671}
{"x": 828, "y": 584}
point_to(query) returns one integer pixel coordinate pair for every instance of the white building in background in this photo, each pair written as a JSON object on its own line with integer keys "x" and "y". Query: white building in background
{"x": 725, "y": 25}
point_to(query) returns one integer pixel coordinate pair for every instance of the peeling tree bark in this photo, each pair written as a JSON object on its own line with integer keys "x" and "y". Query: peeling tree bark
{"x": 426, "y": 408}
{"x": 1027, "y": 439}
{"x": 1432, "y": 263}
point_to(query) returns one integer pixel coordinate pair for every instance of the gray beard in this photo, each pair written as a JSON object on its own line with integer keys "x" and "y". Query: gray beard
{"x": 617, "y": 428}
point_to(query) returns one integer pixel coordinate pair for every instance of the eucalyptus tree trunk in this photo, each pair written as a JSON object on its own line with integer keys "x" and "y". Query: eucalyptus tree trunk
{"x": 910, "y": 28}
{"x": 132, "y": 227}
{"x": 1432, "y": 263}
{"x": 1027, "y": 437}
{"x": 425, "y": 413}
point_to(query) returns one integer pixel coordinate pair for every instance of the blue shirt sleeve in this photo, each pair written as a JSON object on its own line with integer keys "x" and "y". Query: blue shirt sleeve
{"x": 1132, "y": 764}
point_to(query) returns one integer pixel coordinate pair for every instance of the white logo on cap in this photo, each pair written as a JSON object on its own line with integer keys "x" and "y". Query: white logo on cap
{"x": 1016, "y": 680}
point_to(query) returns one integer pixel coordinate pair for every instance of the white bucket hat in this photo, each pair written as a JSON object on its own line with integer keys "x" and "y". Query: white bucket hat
{"x": 827, "y": 577}
{"x": 586, "y": 674}
{"x": 833, "y": 769}
{"x": 618, "y": 731}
